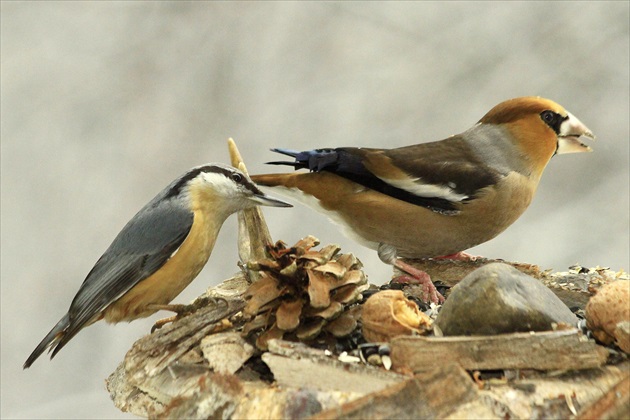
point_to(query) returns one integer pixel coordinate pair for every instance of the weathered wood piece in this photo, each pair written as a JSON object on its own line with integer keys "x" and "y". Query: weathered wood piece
{"x": 155, "y": 352}
{"x": 431, "y": 394}
{"x": 226, "y": 352}
{"x": 297, "y": 365}
{"x": 549, "y": 350}
{"x": 253, "y": 233}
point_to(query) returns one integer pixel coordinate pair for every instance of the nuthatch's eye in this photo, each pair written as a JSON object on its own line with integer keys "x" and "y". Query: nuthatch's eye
{"x": 238, "y": 178}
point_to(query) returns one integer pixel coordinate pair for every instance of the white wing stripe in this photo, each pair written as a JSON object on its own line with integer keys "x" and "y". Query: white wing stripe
{"x": 419, "y": 188}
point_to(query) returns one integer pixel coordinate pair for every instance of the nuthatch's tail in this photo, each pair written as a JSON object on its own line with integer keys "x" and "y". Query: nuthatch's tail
{"x": 51, "y": 340}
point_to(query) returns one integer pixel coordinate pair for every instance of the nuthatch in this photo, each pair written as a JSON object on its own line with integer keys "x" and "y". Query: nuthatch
{"x": 159, "y": 252}
{"x": 436, "y": 199}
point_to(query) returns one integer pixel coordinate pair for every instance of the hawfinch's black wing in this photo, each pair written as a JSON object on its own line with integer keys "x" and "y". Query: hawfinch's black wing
{"x": 437, "y": 175}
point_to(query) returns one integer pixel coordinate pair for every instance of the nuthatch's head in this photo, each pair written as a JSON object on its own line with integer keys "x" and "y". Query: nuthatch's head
{"x": 223, "y": 188}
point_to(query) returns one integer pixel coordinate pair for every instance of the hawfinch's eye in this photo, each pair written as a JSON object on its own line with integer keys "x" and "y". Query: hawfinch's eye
{"x": 548, "y": 116}
{"x": 238, "y": 178}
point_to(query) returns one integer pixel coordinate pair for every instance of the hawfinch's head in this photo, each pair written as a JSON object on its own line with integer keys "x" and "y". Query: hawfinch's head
{"x": 540, "y": 128}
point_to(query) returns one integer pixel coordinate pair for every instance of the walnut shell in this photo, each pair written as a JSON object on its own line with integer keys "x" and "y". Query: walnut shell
{"x": 389, "y": 313}
{"x": 608, "y": 308}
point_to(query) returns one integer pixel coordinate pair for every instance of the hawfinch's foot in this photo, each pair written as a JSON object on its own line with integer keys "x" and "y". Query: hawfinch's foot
{"x": 458, "y": 256}
{"x": 419, "y": 277}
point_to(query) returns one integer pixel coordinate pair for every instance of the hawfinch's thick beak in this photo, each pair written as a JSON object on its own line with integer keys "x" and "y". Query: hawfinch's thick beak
{"x": 569, "y": 138}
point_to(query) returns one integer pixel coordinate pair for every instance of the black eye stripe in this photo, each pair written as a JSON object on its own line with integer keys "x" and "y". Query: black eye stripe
{"x": 553, "y": 119}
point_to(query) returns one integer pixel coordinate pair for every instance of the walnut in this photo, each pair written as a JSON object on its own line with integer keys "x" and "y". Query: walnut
{"x": 389, "y": 313}
{"x": 607, "y": 311}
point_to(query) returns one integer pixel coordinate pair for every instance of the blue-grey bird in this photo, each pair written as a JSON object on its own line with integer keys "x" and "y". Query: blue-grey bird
{"x": 159, "y": 252}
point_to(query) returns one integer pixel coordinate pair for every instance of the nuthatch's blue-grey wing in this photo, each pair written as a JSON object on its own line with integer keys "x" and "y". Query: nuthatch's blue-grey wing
{"x": 143, "y": 246}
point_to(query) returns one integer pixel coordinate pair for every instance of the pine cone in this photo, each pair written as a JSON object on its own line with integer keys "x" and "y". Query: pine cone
{"x": 302, "y": 293}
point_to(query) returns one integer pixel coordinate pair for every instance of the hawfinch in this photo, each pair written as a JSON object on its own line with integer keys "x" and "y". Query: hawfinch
{"x": 435, "y": 199}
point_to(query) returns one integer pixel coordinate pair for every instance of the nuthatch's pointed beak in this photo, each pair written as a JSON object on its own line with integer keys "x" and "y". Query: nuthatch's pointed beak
{"x": 570, "y": 132}
{"x": 265, "y": 200}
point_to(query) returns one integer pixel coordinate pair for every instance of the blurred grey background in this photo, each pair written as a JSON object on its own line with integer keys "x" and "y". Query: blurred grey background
{"x": 103, "y": 104}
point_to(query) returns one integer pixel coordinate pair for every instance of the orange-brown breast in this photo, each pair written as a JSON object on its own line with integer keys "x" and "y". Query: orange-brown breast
{"x": 415, "y": 231}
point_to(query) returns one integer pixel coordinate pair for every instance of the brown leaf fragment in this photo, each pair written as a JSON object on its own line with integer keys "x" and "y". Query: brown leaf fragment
{"x": 348, "y": 294}
{"x": 288, "y": 314}
{"x": 332, "y": 267}
{"x": 263, "y": 284}
{"x": 278, "y": 250}
{"x": 289, "y": 270}
{"x": 264, "y": 264}
{"x": 314, "y": 256}
{"x": 261, "y": 293}
{"x": 270, "y": 334}
{"x": 311, "y": 329}
{"x": 330, "y": 251}
{"x": 352, "y": 277}
{"x": 342, "y": 326}
{"x": 330, "y": 312}
{"x": 260, "y": 321}
{"x": 305, "y": 244}
{"x": 349, "y": 261}
{"x": 318, "y": 289}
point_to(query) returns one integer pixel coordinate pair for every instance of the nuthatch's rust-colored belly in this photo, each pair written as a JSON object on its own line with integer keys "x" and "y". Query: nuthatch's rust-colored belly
{"x": 172, "y": 278}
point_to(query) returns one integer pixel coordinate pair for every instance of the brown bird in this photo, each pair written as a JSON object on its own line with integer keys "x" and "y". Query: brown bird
{"x": 435, "y": 199}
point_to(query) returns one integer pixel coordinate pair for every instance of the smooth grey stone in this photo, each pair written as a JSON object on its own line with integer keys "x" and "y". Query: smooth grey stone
{"x": 497, "y": 299}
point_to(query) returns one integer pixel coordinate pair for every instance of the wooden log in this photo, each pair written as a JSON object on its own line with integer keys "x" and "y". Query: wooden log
{"x": 549, "y": 350}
